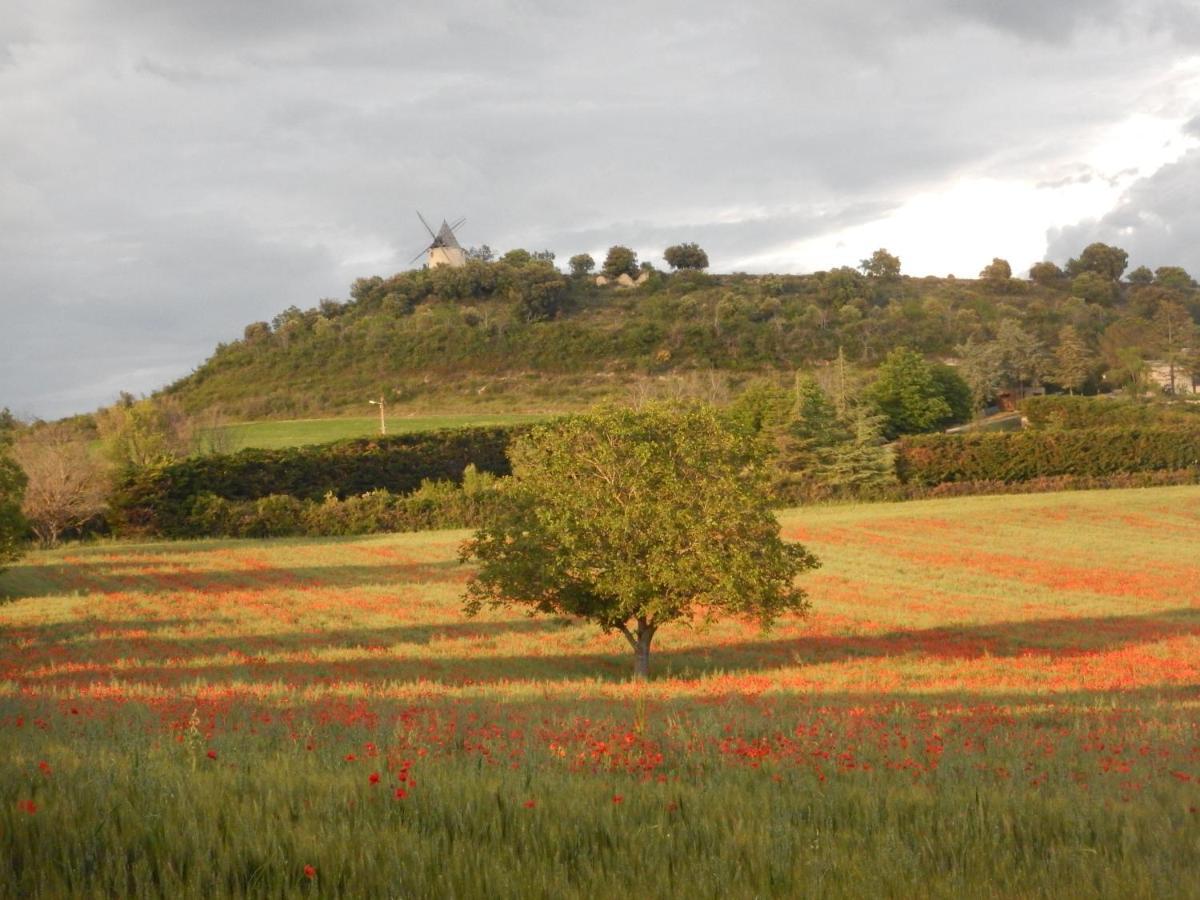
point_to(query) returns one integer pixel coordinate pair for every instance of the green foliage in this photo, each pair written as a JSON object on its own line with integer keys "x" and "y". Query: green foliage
{"x": 159, "y": 499}
{"x": 881, "y": 265}
{"x": 1073, "y": 360}
{"x": 435, "y": 504}
{"x": 997, "y": 271}
{"x": 13, "y": 526}
{"x": 686, "y": 256}
{"x": 1058, "y": 412}
{"x": 635, "y": 519}
{"x": 1046, "y": 274}
{"x": 913, "y": 395}
{"x": 581, "y": 264}
{"x": 1174, "y": 277}
{"x": 1140, "y": 275}
{"x": 933, "y": 459}
{"x": 1106, "y": 261}
{"x": 1094, "y": 288}
{"x": 620, "y": 261}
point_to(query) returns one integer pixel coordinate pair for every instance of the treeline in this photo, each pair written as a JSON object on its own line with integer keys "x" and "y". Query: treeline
{"x": 1087, "y": 326}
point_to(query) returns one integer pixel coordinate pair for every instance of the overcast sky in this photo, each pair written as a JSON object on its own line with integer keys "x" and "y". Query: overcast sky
{"x": 170, "y": 171}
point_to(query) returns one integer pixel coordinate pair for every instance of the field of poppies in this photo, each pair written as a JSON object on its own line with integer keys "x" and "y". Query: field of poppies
{"x": 992, "y": 697}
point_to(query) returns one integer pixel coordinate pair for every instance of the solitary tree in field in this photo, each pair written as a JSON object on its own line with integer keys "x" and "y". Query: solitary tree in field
{"x": 66, "y": 484}
{"x": 634, "y": 519}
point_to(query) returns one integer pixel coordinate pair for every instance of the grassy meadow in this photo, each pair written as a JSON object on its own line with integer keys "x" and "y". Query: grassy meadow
{"x": 276, "y": 434}
{"x": 992, "y": 697}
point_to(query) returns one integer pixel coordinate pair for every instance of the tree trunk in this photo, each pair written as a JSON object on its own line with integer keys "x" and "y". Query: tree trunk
{"x": 640, "y": 641}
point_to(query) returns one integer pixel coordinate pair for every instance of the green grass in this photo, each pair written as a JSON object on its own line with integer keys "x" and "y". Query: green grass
{"x": 993, "y": 697}
{"x": 296, "y": 432}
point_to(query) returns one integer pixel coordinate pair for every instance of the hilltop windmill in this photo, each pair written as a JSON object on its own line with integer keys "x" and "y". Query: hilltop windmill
{"x": 444, "y": 250}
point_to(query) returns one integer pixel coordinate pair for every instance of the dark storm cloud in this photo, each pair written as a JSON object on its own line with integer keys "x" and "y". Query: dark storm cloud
{"x": 170, "y": 171}
{"x": 1157, "y": 222}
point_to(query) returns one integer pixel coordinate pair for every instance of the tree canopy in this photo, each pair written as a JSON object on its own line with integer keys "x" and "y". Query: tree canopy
{"x": 634, "y": 519}
{"x": 686, "y": 256}
{"x": 620, "y": 261}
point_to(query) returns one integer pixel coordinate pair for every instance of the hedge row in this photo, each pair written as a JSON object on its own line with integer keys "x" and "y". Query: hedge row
{"x": 440, "y": 504}
{"x": 934, "y": 459}
{"x": 1059, "y": 411}
{"x": 159, "y": 499}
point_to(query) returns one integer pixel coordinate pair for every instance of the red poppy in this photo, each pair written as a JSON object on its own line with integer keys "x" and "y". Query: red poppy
{"x": 617, "y": 798}
{"x": 212, "y": 754}
{"x": 310, "y": 871}
{"x": 45, "y": 767}
{"x": 401, "y": 793}
{"x": 28, "y": 805}
{"x": 373, "y": 778}
{"x": 350, "y": 757}
{"x": 529, "y": 804}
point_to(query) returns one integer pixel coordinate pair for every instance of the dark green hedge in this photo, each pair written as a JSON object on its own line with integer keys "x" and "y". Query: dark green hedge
{"x": 159, "y": 499}
{"x": 1008, "y": 457}
{"x": 1059, "y": 411}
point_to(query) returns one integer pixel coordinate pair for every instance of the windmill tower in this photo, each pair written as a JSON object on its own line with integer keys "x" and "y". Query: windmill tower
{"x": 444, "y": 250}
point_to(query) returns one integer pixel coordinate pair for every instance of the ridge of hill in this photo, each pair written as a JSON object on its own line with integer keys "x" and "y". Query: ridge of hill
{"x": 525, "y": 338}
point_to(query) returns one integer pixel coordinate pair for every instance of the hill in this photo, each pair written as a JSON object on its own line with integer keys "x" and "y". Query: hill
{"x": 523, "y": 337}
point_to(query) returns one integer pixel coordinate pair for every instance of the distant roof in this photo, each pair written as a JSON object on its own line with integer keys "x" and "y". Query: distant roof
{"x": 445, "y": 237}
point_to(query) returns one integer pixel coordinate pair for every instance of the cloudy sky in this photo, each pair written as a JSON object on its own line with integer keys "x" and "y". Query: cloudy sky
{"x": 171, "y": 171}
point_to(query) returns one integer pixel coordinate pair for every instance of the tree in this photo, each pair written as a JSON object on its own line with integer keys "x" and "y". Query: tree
{"x": 620, "y": 261}
{"x": 12, "y": 523}
{"x": 809, "y": 437}
{"x": 1047, "y": 274}
{"x": 909, "y": 395}
{"x": 686, "y": 256}
{"x": 483, "y": 253}
{"x": 882, "y": 265}
{"x": 635, "y": 519}
{"x": 1173, "y": 277}
{"x": 136, "y": 433}
{"x": 1140, "y": 275}
{"x": 581, "y": 264}
{"x": 517, "y": 257}
{"x": 66, "y": 485}
{"x": 998, "y": 271}
{"x": 539, "y": 291}
{"x": 1124, "y": 346}
{"x": 1094, "y": 288}
{"x": 1023, "y": 358}
{"x": 1108, "y": 262}
{"x": 980, "y": 367}
{"x": 1073, "y": 360}
{"x": 1175, "y": 336}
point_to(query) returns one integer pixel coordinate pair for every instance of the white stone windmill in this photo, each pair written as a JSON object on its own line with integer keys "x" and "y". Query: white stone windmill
{"x": 444, "y": 250}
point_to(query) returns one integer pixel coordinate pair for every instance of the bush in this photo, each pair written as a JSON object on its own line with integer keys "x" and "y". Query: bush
{"x": 435, "y": 504}
{"x": 1021, "y": 456}
{"x": 163, "y": 499}
{"x": 1067, "y": 412}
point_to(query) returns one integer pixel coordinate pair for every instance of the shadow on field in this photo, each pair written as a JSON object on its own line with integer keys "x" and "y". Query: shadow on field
{"x": 461, "y": 652}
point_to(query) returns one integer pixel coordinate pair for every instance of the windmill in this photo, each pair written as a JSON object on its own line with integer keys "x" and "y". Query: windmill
{"x": 444, "y": 250}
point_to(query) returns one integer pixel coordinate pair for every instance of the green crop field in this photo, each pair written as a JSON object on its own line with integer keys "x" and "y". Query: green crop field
{"x": 993, "y": 697}
{"x": 296, "y": 432}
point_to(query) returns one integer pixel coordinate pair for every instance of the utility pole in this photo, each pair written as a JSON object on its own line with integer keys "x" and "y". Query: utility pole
{"x": 382, "y": 422}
